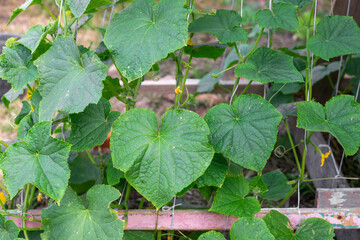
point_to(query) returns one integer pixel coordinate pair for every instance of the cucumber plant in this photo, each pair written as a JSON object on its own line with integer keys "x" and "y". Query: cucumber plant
{"x": 68, "y": 113}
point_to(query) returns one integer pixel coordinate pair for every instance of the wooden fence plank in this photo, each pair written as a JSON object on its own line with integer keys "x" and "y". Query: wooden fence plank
{"x": 193, "y": 220}
{"x": 338, "y": 198}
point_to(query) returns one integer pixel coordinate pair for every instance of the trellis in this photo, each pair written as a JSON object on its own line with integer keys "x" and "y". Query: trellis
{"x": 340, "y": 207}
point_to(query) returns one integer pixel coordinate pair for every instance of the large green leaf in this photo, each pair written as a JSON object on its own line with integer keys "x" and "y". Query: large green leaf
{"x": 277, "y": 185}
{"x": 8, "y": 229}
{"x": 69, "y": 81}
{"x": 266, "y": 65}
{"x": 246, "y": 131}
{"x": 17, "y": 67}
{"x": 215, "y": 174}
{"x": 78, "y": 7}
{"x": 230, "y": 199}
{"x": 279, "y": 225}
{"x": 340, "y": 117}
{"x": 225, "y": 25}
{"x": 91, "y": 127}
{"x": 144, "y": 33}
{"x": 33, "y": 37}
{"x": 315, "y": 229}
{"x": 336, "y": 36}
{"x": 283, "y": 16}
{"x": 250, "y": 229}
{"x": 159, "y": 164}
{"x": 72, "y": 220}
{"x": 352, "y": 67}
{"x": 211, "y": 235}
{"x": 300, "y": 3}
{"x": 23, "y": 7}
{"x": 41, "y": 160}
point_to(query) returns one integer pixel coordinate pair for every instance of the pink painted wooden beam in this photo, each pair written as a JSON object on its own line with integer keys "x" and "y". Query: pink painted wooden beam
{"x": 194, "y": 220}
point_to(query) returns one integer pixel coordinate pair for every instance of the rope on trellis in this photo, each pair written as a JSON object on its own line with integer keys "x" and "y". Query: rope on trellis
{"x": 223, "y": 59}
{"x": 59, "y": 20}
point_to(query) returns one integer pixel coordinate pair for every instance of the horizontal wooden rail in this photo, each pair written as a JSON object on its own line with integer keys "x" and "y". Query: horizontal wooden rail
{"x": 193, "y": 220}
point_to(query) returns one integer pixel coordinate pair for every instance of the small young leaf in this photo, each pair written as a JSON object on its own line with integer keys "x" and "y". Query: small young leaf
{"x": 113, "y": 175}
{"x": 340, "y": 117}
{"x": 71, "y": 220}
{"x": 315, "y": 229}
{"x": 215, "y": 174}
{"x": 24, "y": 126}
{"x": 91, "y": 127}
{"x": 230, "y": 199}
{"x": 225, "y": 25}
{"x": 211, "y": 235}
{"x": 41, "y": 160}
{"x": 336, "y": 36}
{"x": 283, "y": 16}
{"x": 279, "y": 225}
{"x": 8, "y": 229}
{"x": 17, "y": 67}
{"x": 23, "y": 7}
{"x": 69, "y": 81}
{"x": 246, "y": 131}
{"x": 25, "y": 110}
{"x": 78, "y": 7}
{"x": 159, "y": 164}
{"x": 250, "y": 229}
{"x": 277, "y": 186}
{"x": 112, "y": 88}
{"x": 266, "y": 65}
{"x": 145, "y": 33}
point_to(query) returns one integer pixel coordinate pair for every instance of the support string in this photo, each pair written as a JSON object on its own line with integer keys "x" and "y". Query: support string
{"x": 172, "y": 208}
{"x": 59, "y": 20}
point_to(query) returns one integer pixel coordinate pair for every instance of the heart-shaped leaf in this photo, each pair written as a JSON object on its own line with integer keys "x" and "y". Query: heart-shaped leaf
{"x": 145, "y": 33}
{"x": 250, "y": 229}
{"x": 212, "y": 235}
{"x": 8, "y": 229}
{"x": 266, "y": 65}
{"x": 71, "y": 220}
{"x": 225, "y": 25}
{"x": 159, "y": 164}
{"x": 91, "y": 127}
{"x": 282, "y": 15}
{"x": 335, "y": 36}
{"x": 17, "y": 67}
{"x": 230, "y": 199}
{"x": 41, "y": 160}
{"x": 340, "y": 117}
{"x": 69, "y": 81}
{"x": 246, "y": 131}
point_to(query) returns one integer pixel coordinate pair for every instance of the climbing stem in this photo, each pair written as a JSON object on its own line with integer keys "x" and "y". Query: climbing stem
{"x": 292, "y": 191}
{"x": 92, "y": 159}
{"x": 3, "y": 143}
{"x": 246, "y": 88}
{"x": 292, "y": 146}
{"x": 255, "y": 45}
{"x": 31, "y": 195}
{"x": 178, "y": 96}
{"x": 52, "y": 15}
{"x": 24, "y": 209}
{"x": 6, "y": 213}
{"x": 141, "y": 204}
{"x": 277, "y": 92}
{"x": 127, "y": 196}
